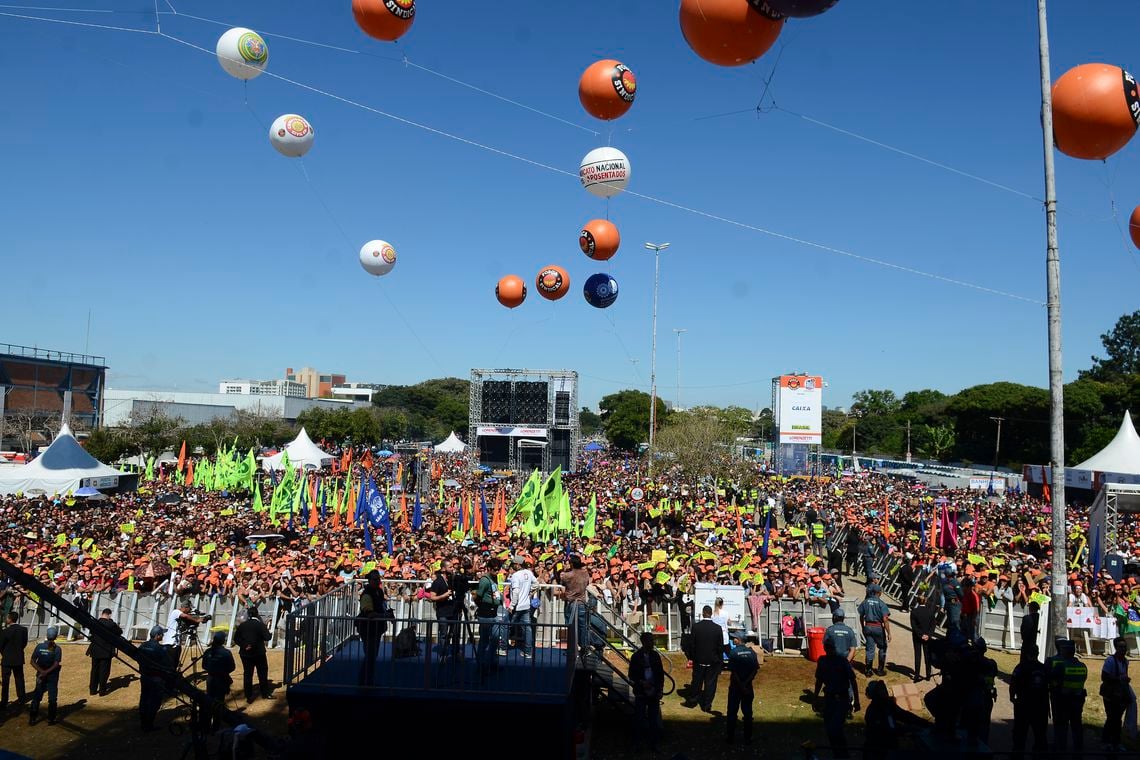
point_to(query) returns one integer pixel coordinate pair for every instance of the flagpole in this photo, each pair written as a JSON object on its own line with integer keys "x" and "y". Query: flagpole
{"x": 1057, "y": 623}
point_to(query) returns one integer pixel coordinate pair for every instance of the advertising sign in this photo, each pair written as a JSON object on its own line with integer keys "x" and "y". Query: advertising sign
{"x": 511, "y": 430}
{"x": 799, "y": 408}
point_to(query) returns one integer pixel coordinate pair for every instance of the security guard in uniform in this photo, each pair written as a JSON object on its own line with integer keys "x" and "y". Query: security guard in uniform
{"x": 154, "y": 670}
{"x": 218, "y": 662}
{"x": 1029, "y": 693}
{"x": 742, "y": 667}
{"x": 834, "y": 676}
{"x": 842, "y": 635}
{"x": 1067, "y": 685}
{"x": 875, "y": 618}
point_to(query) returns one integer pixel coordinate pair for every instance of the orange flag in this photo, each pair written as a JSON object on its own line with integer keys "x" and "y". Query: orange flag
{"x": 189, "y": 472}
{"x": 314, "y": 508}
{"x": 182, "y": 457}
{"x": 367, "y": 461}
{"x": 351, "y": 506}
{"x": 886, "y": 518}
{"x": 403, "y": 510}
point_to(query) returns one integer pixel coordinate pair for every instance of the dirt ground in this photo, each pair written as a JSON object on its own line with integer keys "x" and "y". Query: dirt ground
{"x": 108, "y": 727}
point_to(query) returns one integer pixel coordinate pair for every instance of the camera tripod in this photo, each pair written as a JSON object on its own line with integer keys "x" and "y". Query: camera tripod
{"x": 190, "y": 650}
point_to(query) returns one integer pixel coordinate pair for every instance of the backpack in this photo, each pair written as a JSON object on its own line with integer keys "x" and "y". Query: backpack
{"x": 406, "y": 644}
{"x": 798, "y": 626}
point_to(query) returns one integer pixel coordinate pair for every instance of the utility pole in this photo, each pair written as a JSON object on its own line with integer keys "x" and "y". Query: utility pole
{"x": 908, "y": 441}
{"x": 1057, "y": 625}
{"x": 657, "y": 248}
{"x": 997, "y": 446}
{"x": 679, "y": 331}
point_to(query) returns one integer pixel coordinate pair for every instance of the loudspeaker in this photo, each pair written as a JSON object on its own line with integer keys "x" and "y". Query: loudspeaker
{"x": 496, "y": 401}
{"x": 560, "y": 449}
{"x": 529, "y": 403}
{"x": 561, "y": 408}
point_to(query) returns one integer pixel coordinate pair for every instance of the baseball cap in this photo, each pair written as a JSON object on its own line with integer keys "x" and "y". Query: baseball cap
{"x": 839, "y": 614}
{"x": 157, "y": 630}
{"x": 52, "y": 633}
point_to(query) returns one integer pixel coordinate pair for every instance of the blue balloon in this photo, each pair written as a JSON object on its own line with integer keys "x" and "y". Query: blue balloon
{"x": 800, "y": 8}
{"x": 600, "y": 291}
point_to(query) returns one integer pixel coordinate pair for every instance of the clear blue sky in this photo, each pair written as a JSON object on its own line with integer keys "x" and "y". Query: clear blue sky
{"x": 140, "y": 187}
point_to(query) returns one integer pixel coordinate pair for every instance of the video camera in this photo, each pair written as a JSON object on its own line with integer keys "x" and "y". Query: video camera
{"x": 187, "y": 625}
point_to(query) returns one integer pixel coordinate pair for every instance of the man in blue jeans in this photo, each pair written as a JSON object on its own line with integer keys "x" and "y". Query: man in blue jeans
{"x": 573, "y": 593}
{"x": 522, "y": 590}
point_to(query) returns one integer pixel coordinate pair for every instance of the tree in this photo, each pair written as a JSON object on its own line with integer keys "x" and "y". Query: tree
{"x": 29, "y": 427}
{"x": 151, "y": 430}
{"x": 625, "y": 418}
{"x": 875, "y": 403}
{"x": 1025, "y": 429}
{"x": 107, "y": 445}
{"x": 590, "y": 421}
{"x": 698, "y": 442}
{"x": 1122, "y": 349}
{"x": 432, "y": 409}
{"x": 763, "y": 424}
{"x": 936, "y": 442}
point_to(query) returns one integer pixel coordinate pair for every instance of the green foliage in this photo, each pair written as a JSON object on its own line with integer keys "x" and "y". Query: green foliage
{"x": 625, "y": 418}
{"x": 697, "y": 440}
{"x": 936, "y": 442}
{"x": 1122, "y": 346}
{"x": 107, "y": 445}
{"x": 590, "y": 421}
{"x": 427, "y": 410}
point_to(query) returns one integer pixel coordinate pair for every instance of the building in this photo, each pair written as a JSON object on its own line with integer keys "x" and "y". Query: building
{"x": 199, "y": 408}
{"x": 317, "y": 384}
{"x": 263, "y": 388}
{"x": 357, "y": 391}
{"x": 34, "y": 383}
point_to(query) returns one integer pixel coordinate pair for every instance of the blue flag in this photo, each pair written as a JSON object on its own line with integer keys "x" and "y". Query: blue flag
{"x": 362, "y": 503}
{"x": 922, "y": 530}
{"x": 378, "y": 514}
{"x": 417, "y": 515}
{"x": 368, "y": 539}
{"x": 990, "y": 490}
{"x": 767, "y": 533}
{"x": 324, "y": 504}
{"x": 304, "y": 504}
{"x": 1096, "y": 551}
{"x": 483, "y": 510}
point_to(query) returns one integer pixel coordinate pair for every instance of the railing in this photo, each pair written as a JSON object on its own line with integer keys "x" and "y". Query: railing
{"x": 317, "y": 630}
{"x": 56, "y": 356}
{"x": 608, "y": 631}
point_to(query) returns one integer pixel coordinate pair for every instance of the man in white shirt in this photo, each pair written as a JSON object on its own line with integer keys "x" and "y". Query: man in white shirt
{"x": 1078, "y": 597}
{"x": 171, "y": 639}
{"x": 522, "y": 583}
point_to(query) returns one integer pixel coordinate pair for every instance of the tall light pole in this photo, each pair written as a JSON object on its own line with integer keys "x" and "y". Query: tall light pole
{"x": 657, "y": 248}
{"x": 1057, "y": 624}
{"x": 679, "y": 332}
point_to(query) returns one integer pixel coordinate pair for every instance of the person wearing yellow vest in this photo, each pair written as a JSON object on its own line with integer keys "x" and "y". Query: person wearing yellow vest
{"x": 1067, "y": 677}
{"x": 818, "y": 538}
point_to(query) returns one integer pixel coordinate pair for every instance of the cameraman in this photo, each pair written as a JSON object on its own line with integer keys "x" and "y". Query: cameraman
{"x": 180, "y": 624}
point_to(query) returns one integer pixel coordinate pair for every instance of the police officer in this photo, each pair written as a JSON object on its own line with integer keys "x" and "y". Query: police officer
{"x": 154, "y": 668}
{"x": 875, "y": 618}
{"x": 980, "y": 693}
{"x": 218, "y": 662}
{"x": 1067, "y": 684}
{"x": 1029, "y": 693}
{"x": 867, "y": 548}
{"x": 742, "y": 668}
{"x": 834, "y": 675}
{"x": 372, "y": 605}
{"x": 842, "y": 635}
{"x": 853, "y": 543}
{"x": 952, "y": 598}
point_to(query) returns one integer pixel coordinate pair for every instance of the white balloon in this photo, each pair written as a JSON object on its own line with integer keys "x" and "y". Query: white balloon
{"x": 242, "y": 53}
{"x": 605, "y": 172}
{"x": 291, "y": 135}
{"x": 377, "y": 257}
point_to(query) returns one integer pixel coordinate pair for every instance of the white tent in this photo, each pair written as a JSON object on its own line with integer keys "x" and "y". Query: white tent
{"x": 65, "y": 466}
{"x": 1121, "y": 456}
{"x": 302, "y": 453}
{"x": 452, "y": 445}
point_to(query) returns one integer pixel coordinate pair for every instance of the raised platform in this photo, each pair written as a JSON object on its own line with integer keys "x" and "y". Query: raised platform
{"x": 546, "y": 677}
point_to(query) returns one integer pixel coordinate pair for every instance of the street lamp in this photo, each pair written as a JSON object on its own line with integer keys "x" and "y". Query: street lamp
{"x": 679, "y": 331}
{"x": 855, "y": 415}
{"x": 657, "y": 248}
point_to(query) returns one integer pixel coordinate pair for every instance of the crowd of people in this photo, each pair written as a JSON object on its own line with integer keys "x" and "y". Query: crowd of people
{"x": 641, "y": 540}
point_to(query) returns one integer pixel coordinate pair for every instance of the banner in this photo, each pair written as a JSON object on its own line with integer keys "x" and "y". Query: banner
{"x": 510, "y": 430}
{"x": 799, "y": 408}
{"x": 1089, "y": 618}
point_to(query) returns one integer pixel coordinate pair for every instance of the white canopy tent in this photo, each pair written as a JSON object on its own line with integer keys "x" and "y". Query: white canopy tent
{"x": 452, "y": 445}
{"x": 302, "y": 453}
{"x": 64, "y": 467}
{"x": 1121, "y": 456}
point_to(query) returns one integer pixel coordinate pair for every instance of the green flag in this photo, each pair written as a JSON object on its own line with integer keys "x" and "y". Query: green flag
{"x": 149, "y": 469}
{"x": 526, "y": 502}
{"x": 257, "y": 505}
{"x": 565, "y": 519}
{"x": 552, "y": 497}
{"x": 591, "y": 518}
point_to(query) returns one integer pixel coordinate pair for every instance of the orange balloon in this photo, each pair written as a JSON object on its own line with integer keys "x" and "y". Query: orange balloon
{"x": 1096, "y": 109}
{"x": 730, "y": 32}
{"x": 1134, "y": 226}
{"x": 552, "y": 282}
{"x": 607, "y": 89}
{"x": 599, "y": 239}
{"x": 385, "y": 20}
{"x": 510, "y": 291}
